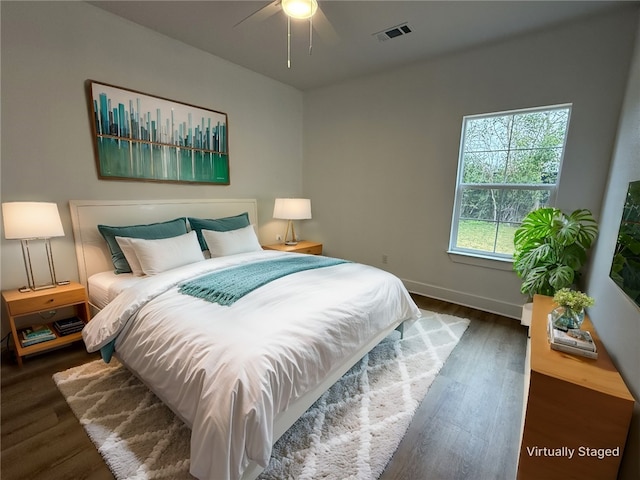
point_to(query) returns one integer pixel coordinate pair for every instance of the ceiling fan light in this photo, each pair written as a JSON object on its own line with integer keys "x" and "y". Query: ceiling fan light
{"x": 300, "y": 8}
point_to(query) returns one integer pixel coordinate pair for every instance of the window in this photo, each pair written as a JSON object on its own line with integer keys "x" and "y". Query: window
{"x": 509, "y": 164}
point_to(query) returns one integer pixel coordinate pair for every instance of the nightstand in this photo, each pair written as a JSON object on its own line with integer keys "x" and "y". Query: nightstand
{"x": 312, "y": 248}
{"x": 19, "y": 304}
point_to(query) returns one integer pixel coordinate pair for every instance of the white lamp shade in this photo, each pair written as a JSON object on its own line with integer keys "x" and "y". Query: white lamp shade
{"x": 24, "y": 220}
{"x": 292, "y": 208}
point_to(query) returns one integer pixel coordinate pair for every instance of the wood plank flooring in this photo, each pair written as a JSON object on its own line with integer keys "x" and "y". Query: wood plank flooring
{"x": 467, "y": 427}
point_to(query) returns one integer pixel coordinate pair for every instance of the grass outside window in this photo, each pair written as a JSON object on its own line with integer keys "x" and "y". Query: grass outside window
{"x": 481, "y": 235}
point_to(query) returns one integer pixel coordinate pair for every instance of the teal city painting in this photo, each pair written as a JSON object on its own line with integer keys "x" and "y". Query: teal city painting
{"x": 143, "y": 137}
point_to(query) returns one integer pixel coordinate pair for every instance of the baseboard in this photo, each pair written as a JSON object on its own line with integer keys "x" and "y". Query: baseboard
{"x": 490, "y": 305}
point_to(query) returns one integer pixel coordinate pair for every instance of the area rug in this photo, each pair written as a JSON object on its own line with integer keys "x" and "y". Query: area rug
{"x": 351, "y": 432}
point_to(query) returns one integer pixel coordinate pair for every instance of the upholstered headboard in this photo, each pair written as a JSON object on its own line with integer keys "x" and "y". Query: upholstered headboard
{"x": 91, "y": 249}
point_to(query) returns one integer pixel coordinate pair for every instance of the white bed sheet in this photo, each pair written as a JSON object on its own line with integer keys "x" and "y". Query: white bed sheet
{"x": 105, "y": 286}
{"x": 229, "y": 371}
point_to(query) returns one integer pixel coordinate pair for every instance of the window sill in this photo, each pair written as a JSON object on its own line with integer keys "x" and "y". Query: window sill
{"x": 480, "y": 261}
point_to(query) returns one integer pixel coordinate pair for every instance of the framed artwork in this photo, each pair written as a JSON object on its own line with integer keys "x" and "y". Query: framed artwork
{"x": 147, "y": 138}
{"x": 625, "y": 268}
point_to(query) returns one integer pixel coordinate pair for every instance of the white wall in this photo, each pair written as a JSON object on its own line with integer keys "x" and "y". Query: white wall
{"x": 381, "y": 152}
{"x": 614, "y": 315}
{"x": 49, "y": 50}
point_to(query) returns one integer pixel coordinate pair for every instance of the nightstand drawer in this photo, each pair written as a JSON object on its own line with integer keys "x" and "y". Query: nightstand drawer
{"x": 303, "y": 246}
{"x": 46, "y": 300}
{"x": 315, "y": 250}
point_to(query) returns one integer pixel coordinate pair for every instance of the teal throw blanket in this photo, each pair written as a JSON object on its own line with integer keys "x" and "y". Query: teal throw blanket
{"x": 229, "y": 285}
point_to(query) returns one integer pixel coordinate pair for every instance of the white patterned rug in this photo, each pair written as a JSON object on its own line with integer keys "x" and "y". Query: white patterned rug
{"x": 351, "y": 432}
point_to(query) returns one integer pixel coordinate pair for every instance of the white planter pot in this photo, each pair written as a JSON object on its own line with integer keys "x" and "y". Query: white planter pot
{"x": 527, "y": 310}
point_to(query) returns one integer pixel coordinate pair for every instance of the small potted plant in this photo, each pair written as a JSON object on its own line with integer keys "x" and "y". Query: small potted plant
{"x": 570, "y": 311}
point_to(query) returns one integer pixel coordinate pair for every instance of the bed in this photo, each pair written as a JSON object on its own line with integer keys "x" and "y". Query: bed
{"x": 239, "y": 374}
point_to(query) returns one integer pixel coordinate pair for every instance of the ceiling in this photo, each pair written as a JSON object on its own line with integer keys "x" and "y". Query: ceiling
{"x": 438, "y": 27}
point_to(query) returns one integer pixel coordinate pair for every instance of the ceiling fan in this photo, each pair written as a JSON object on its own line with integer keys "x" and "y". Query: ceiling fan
{"x": 297, "y": 10}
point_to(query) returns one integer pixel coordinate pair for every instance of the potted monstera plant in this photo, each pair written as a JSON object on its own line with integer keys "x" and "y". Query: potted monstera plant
{"x": 551, "y": 248}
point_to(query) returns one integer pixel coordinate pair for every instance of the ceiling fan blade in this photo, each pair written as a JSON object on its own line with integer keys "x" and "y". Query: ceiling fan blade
{"x": 262, "y": 13}
{"x": 324, "y": 28}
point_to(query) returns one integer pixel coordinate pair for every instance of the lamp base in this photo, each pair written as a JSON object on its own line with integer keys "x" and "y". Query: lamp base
{"x": 294, "y": 239}
{"x": 26, "y": 256}
{"x": 35, "y": 289}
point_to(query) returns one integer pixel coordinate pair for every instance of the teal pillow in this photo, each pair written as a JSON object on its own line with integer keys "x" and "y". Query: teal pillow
{"x": 225, "y": 224}
{"x": 152, "y": 231}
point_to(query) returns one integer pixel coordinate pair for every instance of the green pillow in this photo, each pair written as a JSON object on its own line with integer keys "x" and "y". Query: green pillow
{"x": 225, "y": 224}
{"x": 152, "y": 231}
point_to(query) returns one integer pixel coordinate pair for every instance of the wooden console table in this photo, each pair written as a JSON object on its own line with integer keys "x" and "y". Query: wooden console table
{"x": 577, "y": 410}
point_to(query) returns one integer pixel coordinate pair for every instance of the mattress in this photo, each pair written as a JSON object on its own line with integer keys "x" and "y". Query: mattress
{"x": 105, "y": 286}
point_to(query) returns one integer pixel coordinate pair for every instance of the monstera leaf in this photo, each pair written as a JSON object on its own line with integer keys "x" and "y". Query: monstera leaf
{"x": 551, "y": 247}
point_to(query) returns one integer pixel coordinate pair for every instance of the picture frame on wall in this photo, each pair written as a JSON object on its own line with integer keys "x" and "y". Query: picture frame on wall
{"x": 625, "y": 267}
{"x": 143, "y": 137}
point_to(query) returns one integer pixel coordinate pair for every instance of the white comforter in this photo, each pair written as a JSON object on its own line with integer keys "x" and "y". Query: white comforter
{"x": 228, "y": 371}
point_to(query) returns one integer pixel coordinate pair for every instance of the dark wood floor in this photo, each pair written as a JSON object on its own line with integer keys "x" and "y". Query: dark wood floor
{"x": 466, "y": 428}
{"x": 468, "y": 425}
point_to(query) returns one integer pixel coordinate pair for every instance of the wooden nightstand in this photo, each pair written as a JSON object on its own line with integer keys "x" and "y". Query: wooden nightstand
{"x": 19, "y": 304}
{"x": 312, "y": 248}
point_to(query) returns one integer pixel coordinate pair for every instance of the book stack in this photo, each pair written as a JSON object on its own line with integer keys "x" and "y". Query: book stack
{"x": 68, "y": 326}
{"x": 36, "y": 334}
{"x": 575, "y": 341}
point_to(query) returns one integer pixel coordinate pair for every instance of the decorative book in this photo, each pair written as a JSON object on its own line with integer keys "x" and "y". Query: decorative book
{"x": 574, "y": 341}
{"x": 36, "y": 331}
{"x": 68, "y": 326}
{"x": 27, "y": 340}
{"x": 574, "y": 338}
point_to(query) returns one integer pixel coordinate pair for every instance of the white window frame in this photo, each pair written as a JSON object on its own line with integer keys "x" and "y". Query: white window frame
{"x": 461, "y": 187}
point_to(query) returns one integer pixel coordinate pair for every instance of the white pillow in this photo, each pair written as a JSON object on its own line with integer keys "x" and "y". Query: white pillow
{"x": 157, "y": 256}
{"x": 231, "y": 242}
{"x": 130, "y": 255}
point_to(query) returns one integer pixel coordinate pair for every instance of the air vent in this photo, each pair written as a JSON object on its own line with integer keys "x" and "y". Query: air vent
{"x": 393, "y": 32}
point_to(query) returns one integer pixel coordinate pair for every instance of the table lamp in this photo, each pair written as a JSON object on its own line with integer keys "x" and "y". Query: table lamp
{"x": 27, "y": 221}
{"x": 291, "y": 209}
